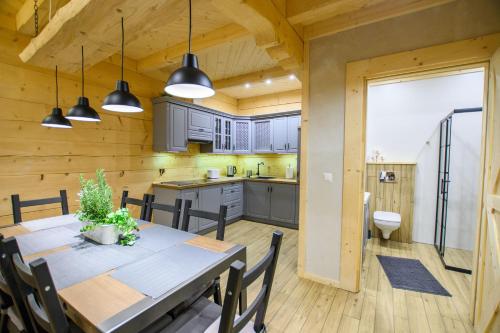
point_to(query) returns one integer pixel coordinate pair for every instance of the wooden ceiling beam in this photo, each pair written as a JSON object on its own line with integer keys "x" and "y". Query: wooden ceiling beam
{"x": 311, "y": 11}
{"x": 173, "y": 55}
{"x": 379, "y": 12}
{"x": 25, "y": 17}
{"x": 269, "y": 26}
{"x": 95, "y": 24}
{"x": 240, "y": 80}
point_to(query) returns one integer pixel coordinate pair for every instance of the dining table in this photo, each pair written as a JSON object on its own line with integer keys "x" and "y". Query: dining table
{"x": 115, "y": 288}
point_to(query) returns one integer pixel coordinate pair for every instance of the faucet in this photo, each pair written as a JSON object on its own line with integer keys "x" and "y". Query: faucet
{"x": 258, "y": 166}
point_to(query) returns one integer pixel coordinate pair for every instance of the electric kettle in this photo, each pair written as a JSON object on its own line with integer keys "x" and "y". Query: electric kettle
{"x": 231, "y": 170}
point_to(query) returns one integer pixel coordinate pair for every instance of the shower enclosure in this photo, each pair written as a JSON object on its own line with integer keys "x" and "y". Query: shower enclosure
{"x": 452, "y": 258}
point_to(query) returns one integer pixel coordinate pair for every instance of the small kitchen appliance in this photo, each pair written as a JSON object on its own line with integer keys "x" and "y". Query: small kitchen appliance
{"x": 213, "y": 173}
{"x": 231, "y": 170}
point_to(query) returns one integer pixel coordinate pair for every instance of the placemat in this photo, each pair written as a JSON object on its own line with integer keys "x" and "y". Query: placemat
{"x": 87, "y": 260}
{"x": 158, "y": 237}
{"x": 50, "y": 222}
{"x": 47, "y": 239}
{"x": 161, "y": 272}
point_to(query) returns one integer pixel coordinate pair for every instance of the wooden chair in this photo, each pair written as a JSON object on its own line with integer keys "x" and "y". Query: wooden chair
{"x": 17, "y": 204}
{"x": 11, "y": 292}
{"x": 205, "y": 316}
{"x": 38, "y": 292}
{"x": 220, "y": 217}
{"x": 175, "y": 210}
{"x": 212, "y": 289}
{"x": 126, "y": 200}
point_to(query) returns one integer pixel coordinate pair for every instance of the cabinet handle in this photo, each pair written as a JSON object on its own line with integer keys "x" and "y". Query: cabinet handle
{"x": 221, "y": 190}
{"x": 234, "y": 147}
{"x": 271, "y": 146}
{"x": 268, "y": 189}
{"x": 271, "y": 188}
{"x": 197, "y": 194}
{"x": 201, "y": 130}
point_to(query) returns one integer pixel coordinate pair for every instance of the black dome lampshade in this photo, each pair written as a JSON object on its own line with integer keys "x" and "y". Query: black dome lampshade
{"x": 56, "y": 118}
{"x": 189, "y": 81}
{"x": 82, "y": 111}
{"x": 121, "y": 100}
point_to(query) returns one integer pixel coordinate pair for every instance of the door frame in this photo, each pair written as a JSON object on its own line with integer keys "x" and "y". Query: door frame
{"x": 460, "y": 55}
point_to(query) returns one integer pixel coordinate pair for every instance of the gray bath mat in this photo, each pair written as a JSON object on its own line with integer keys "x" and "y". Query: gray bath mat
{"x": 410, "y": 274}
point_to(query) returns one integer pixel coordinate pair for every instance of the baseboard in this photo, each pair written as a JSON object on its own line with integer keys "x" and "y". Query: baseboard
{"x": 270, "y": 222}
{"x": 320, "y": 279}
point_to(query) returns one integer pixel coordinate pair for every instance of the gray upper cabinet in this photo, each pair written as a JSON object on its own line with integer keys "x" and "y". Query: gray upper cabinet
{"x": 293, "y": 124}
{"x": 257, "y": 199}
{"x": 242, "y": 136}
{"x": 285, "y": 134}
{"x": 200, "y": 124}
{"x": 283, "y": 202}
{"x": 222, "y": 136}
{"x": 262, "y": 135}
{"x": 280, "y": 138}
{"x": 170, "y": 123}
{"x": 210, "y": 199}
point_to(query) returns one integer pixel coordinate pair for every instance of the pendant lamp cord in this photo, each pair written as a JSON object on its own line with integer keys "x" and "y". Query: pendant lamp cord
{"x": 123, "y": 44}
{"x": 189, "y": 40}
{"x": 83, "y": 79}
{"x": 57, "y": 91}
{"x": 35, "y": 8}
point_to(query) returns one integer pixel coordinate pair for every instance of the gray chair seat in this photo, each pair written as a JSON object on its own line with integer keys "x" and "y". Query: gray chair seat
{"x": 202, "y": 316}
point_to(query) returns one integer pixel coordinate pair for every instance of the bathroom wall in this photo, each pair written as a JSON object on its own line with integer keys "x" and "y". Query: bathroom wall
{"x": 403, "y": 126}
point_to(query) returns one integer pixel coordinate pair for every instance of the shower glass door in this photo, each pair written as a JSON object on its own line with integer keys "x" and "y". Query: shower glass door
{"x": 443, "y": 185}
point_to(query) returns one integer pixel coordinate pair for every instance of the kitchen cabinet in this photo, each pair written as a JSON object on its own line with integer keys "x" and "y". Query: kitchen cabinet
{"x": 170, "y": 127}
{"x": 257, "y": 200}
{"x": 271, "y": 203}
{"x": 283, "y": 203}
{"x": 209, "y": 200}
{"x": 193, "y": 195}
{"x": 200, "y": 124}
{"x": 262, "y": 134}
{"x": 242, "y": 136}
{"x": 222, "y": 136}
{"x": 285, "y": 134}
{"x": 232, "y": 197}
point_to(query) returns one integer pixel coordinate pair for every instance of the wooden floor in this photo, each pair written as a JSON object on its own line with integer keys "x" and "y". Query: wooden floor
{"x": 298, "y": 305}
{"x": 458, "y": 258}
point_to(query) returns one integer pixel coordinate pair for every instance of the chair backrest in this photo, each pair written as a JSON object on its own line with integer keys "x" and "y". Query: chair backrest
{"x": 239, "y": 280}
{"x": 10, "y": 291}
{"x": 15, "y": 289}
{"x": 17, "y": 204}
{"x": 220, "y": 217}
{"x": 126, "y": 200}
{"x": 174, "y": 209}
{"x": 38, "y": 291}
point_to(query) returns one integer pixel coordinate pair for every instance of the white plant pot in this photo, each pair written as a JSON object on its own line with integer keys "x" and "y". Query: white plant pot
{"x": 104, "y": 234}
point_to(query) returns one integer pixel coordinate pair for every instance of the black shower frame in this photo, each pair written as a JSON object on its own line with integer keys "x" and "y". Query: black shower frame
{"x": 443, "y": 186}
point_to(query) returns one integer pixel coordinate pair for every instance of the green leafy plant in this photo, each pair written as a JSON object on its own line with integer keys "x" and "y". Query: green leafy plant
{"x": 125, "y": 223}
{"x": 96, "y": 208}
{"x": 95, "y": 199}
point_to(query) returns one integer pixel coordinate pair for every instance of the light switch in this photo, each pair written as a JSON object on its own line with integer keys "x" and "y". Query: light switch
{"x": 328, "y": 176}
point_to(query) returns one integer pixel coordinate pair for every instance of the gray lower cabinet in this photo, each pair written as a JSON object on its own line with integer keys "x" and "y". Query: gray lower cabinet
{"x": 283, "y": 203}
{"x": 257, "y": 199}
{"x": 271, "y": 202}
{"x": 210, "y": 199}
{"x": 170, "y": 122}
{"x": 232, "y": 197}
{"x": 193, "y": 195}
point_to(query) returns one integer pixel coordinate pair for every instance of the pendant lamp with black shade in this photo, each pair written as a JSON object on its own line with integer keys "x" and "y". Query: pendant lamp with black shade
{"x": 56, "y": 118}
{"x": 189, "y": 81}
{"x": 121, "y": 100}
{"x": 82, "y": 111}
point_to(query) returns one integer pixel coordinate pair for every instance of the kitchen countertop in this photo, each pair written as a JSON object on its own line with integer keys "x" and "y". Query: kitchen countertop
{"x": 193, "y": 183}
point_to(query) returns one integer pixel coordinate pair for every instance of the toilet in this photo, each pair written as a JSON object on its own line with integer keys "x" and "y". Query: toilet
{"x": 387, "y": 222}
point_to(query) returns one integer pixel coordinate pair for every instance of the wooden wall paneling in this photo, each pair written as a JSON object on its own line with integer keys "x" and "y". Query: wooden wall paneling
{"x": 392, "y": 197}
{"x": 278, "y": 102}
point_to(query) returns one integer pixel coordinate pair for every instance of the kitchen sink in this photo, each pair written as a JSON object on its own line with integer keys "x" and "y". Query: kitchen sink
{"x": 265, "y": 177}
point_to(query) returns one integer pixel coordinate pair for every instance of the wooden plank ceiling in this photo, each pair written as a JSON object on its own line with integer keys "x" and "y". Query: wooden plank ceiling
{"x": 237, "y": 42}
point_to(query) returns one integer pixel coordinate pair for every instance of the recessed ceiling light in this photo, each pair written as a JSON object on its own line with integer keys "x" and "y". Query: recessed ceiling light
{"x": 268, "y": 81}
{"x": 292, "y": 77}
{"x": 247, "y": 85}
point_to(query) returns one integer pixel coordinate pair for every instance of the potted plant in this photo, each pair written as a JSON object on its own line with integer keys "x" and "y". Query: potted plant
{"x": 101, "y": 224}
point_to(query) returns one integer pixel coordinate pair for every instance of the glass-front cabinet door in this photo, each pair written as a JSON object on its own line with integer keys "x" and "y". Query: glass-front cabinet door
{"x": 218, "y": 144}
{"x": 228, "y": 135}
